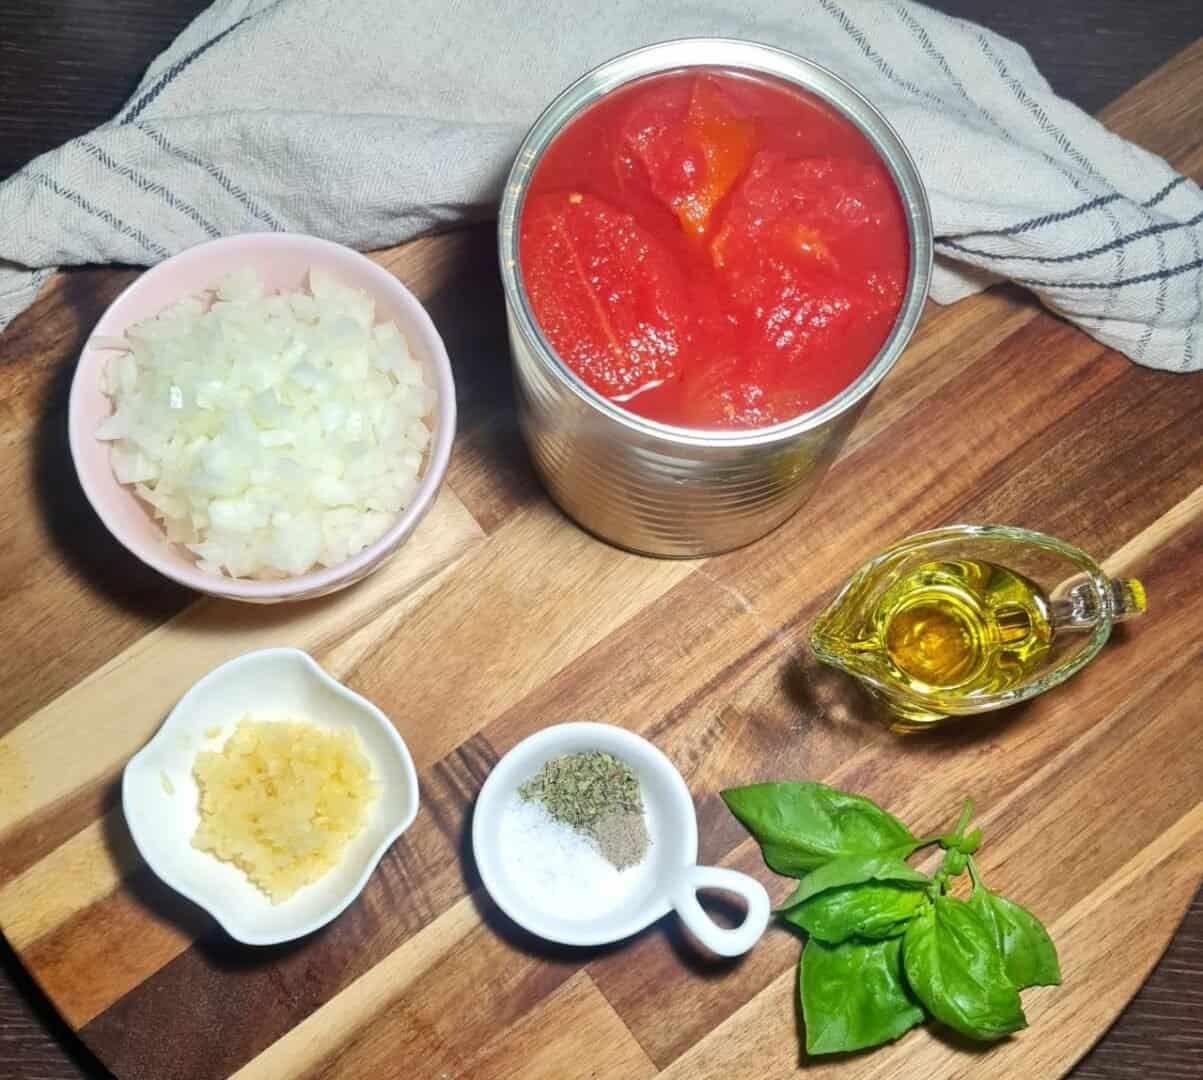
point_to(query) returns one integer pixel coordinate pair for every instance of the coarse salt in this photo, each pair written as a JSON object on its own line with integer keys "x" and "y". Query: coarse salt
{"x": 557, "y": 869}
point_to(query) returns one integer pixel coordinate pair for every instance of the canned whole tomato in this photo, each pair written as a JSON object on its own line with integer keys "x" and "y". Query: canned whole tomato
{"x": 632, "y": 434}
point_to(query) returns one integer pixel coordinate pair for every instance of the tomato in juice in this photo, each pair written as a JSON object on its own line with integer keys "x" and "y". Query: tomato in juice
{"x": 714, "y": 249}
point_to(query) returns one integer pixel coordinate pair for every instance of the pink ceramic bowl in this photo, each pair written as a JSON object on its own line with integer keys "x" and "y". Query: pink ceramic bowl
{"x": 282, "y": 261}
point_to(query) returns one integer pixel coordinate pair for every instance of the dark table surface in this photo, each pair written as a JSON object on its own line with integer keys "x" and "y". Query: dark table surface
{"x": 67, "y": 65}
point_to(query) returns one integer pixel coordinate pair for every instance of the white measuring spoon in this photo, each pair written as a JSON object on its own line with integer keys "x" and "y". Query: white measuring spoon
{"x": 669, "y": 877}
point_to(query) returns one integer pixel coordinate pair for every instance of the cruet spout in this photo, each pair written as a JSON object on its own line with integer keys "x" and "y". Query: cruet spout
{"x": 1078, "y": 605}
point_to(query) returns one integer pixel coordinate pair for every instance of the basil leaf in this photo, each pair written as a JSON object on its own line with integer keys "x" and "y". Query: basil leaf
{"x": 866, "y": 910}
{"x": 801, "y": 826}
{"x": 1028, "y": 953}
{"x": 852, "y": 870}
{"x": 956, "y": 970}
{"x": 854, "y": 996}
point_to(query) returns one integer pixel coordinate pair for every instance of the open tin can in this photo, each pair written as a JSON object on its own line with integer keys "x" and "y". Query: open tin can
{"x": 685, "y": 492}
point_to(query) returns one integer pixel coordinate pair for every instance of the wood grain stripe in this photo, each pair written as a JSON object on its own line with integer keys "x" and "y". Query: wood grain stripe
{"x": 551, "y": 610}
{"x": 435, "y": 1024}
{"x": 546, "y": 1043}
{"x": 45, "y": 829}
{"x": 34, "y": 348}
{"x": 110, "y": 714}
{"x": 302, "y": 1050}
{"x": 94, "y": 861}
{"x": 949, "y": 340}
{"x": 1144, "y": 545}
{"x": 89, "y": 959}
{"x": 1145, "y": 422}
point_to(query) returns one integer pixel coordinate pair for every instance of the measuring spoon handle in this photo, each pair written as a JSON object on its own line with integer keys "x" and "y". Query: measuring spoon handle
{"x": 718, "y": 939}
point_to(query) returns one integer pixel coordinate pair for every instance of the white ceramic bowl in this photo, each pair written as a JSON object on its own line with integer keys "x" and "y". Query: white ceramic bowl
{"x": 270, "y": 684}
{"x": 282, "y": 261}
{"x": 671, "y": 877}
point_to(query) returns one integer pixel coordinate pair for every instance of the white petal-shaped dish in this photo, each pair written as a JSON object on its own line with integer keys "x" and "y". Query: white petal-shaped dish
{"x": 159, "y": 795}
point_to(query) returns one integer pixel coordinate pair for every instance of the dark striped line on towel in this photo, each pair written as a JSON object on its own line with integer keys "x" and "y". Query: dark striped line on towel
{"x": 107, "y": 216}
{"x": 151, "y": 187}
{"x": 1089, "y": 253}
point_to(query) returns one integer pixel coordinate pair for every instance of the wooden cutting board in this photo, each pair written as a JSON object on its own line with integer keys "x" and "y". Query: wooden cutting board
{"x": 500, "y": 617}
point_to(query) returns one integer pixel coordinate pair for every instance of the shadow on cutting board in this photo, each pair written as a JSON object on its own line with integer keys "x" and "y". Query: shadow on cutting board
{"x": 181, "y": 915}
{"x": 834, "y": 699}
{"x": 71, "y": 525}
{"x": 140, "y": 881}
{"x": 490, "y": 469}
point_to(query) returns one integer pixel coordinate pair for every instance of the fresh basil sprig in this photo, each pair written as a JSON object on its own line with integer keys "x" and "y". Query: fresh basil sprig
{"x": 800, "y": 827}
{"x": 887, "y": 945}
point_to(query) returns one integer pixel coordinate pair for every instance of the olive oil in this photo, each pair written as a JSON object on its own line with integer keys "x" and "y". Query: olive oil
{"x": 935, "y": 628}
{"x": 961, "y": 627}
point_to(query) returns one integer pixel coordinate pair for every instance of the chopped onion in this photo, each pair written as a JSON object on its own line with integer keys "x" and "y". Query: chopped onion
{"x": 269, "y": 434}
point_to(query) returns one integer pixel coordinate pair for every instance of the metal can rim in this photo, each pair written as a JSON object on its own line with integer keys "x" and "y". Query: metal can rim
{"x": 740, "y": 55}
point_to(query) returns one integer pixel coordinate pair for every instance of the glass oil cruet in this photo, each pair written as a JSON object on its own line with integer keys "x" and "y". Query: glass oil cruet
{"x": 969, "y": 618}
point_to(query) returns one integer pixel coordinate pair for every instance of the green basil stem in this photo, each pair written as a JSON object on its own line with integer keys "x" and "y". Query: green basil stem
{"x": 963, "y": 820}
{"x": 927, "y": 841}
{"x": 958, "y": 831}
{"x": 956, "y": 851}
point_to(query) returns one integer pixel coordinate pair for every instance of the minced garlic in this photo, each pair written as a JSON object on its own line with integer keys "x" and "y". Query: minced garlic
{"x": 280, "y": 800}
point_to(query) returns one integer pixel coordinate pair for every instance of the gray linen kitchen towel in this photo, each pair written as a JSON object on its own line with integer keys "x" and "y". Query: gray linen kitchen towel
{"x": 371, "y": 121}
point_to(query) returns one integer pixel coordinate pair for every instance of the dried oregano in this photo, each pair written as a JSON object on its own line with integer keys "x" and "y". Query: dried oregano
{"x": 598, "y": 795}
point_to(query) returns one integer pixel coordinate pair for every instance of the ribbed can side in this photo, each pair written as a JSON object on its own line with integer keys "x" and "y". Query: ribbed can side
{"x": 658, "y": 498}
